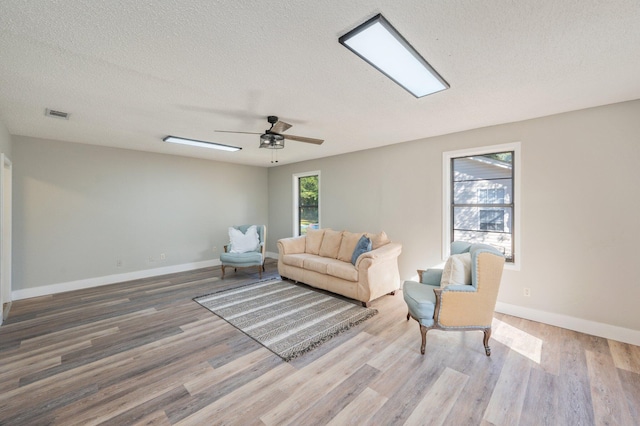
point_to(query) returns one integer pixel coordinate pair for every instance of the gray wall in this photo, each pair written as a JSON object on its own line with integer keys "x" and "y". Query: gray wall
{"x": 78, "y": 208}
{"x": 579, "y": 207}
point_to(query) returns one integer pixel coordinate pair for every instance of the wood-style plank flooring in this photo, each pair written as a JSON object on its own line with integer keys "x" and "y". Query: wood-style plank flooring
{"x": 143, "y": 352}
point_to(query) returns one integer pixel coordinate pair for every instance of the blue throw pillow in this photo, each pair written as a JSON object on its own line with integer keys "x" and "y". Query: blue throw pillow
{"x": 363, "y": 246}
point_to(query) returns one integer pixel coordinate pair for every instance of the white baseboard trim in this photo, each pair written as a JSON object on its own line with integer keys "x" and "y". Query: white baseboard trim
{"x": 599, "y": 329}
{"x": 271, "y": 255}
{"x": 109, "y": 279}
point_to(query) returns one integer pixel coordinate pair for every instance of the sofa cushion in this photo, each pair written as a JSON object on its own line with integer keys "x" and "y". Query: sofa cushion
{"x": 314, "y": 240}
{"x": 378, "y": 240}
{"x": 248, "y": 258}
{"x": 363, "y": 246}
{"x": 457, "y": 270}
{"x": 343, "y": 270}
{"x": 330, "y": 243}
{"x": 296, "y": 259}
{"x": 348, "y": 245}
{"x": 318, "y": 264}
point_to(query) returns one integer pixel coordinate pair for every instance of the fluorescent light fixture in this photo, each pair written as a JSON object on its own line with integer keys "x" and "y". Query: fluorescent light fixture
{"x": 378, "y": 43}
{"x": 203, "y": 144}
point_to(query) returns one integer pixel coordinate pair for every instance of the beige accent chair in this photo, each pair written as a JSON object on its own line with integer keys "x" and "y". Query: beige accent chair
{"x": 457, "y": 306}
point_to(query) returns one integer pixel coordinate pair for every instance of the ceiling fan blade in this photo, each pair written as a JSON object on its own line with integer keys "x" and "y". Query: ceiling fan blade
{"x": 303, "y": 139}
{"x": 233, "y": 131}
{"x": 280, "y": 126}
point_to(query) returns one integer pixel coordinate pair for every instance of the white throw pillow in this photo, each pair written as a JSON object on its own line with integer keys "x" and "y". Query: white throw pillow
{"x": 457, "y": 270}
{"x": 242, "y": 243}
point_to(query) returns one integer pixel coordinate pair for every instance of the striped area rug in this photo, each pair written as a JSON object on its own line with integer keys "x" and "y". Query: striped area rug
{"x": 286, "y": 318}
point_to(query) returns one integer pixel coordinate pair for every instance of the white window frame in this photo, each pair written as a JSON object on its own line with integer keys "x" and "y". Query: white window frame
{"x": 296, "y": 201}
{"x": 446, "y": 195}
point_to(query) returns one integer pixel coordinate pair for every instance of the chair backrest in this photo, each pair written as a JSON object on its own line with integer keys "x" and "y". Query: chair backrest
{"x": 476, "y": 250}
{"x": 262, "y": 232}
{"x": 459, "y": 247}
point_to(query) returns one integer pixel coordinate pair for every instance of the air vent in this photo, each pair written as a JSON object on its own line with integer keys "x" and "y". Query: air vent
{"x": 56, "y": 114}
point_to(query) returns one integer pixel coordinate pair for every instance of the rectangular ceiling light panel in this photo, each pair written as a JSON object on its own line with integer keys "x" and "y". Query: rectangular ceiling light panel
{"x": 378, "y": 43}
{"x": 203, "y": 144}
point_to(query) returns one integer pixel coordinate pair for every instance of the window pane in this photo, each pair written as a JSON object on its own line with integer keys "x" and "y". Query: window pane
{"x": 484, "y": 225}
{"x": 483, "y": 179}
{"x": 308, "y": 203}
{"x": 308, "y": 219}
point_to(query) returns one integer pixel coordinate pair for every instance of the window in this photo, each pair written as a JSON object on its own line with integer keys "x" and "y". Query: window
{"x": 490, "y": 195}
{"x": 481, "y": 198}
{"x": 492, "y": 220}
{"x": 306, "y": 187}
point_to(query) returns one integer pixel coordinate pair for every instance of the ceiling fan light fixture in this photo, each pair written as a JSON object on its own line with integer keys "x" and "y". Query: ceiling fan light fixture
{"x": 271, "y": 141}
{"x": 202, "y": 144}
{"x": 383, "y": 47}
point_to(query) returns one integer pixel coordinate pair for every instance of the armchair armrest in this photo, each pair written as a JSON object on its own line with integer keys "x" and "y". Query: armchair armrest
{"x": 430, "y": 276}
{"x": 463, "y": 288}
{"x": 460, "y": 306}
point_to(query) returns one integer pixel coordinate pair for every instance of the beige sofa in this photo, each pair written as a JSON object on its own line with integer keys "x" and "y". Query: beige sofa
{"x": 322, "y": 259}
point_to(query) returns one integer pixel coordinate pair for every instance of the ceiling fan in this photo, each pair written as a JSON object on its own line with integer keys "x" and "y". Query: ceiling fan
{"x": 273, "y": 138}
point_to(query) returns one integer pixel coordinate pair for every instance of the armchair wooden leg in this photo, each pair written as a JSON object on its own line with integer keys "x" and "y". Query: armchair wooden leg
{"x": 487, "y": 335}
{"x": 222, "y": 278}
{"x": 423, "y": 331}
{"x": 408, "y": 316}
{"x": 260, "y": 271}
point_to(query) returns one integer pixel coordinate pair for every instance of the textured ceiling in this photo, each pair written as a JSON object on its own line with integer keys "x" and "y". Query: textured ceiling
{"x": 131, "y": 72}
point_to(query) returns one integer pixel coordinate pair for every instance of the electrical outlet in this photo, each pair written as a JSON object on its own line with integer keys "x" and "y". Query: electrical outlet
{"x": 119, "y": 263}
{"x": 152, "y": 259}
{"x": 215, "y": 248}
{"x": 163, "y": 256}
{"x": 527, "y": 292}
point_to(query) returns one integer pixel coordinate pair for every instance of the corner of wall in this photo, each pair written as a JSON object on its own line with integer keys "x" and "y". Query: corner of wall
{"x": 5, "y": 140}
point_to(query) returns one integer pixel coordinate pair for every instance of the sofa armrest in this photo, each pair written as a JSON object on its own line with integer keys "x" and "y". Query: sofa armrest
{"x": 292, "y": 245}
{"x": 378, "y": 272}
{"x": 387, "y": 251}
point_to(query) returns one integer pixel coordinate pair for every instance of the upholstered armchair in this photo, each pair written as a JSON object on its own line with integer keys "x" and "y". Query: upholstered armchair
{"x": 458, "y": 305}
{"x": 243, "y": 251}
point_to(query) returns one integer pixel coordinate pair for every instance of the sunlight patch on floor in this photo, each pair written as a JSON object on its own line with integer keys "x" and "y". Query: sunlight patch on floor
{"x": 517, "y": 340}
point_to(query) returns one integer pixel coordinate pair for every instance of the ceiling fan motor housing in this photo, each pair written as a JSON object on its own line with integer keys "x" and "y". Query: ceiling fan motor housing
{"x": 271, "y": 140}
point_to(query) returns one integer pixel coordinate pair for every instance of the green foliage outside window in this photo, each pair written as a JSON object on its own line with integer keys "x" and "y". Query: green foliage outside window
{"x": 308, "y": 202}
{"x": 309, "y": 191}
